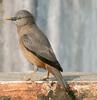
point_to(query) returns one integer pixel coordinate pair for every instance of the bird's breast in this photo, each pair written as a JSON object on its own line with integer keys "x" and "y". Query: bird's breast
{"x": 32, "y": 58}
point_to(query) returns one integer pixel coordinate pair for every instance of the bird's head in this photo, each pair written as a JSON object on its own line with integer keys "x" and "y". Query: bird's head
{"x": 22, "y": 17}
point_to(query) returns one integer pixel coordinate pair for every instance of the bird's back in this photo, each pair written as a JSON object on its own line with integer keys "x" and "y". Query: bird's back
{"x": 36, "y": 42}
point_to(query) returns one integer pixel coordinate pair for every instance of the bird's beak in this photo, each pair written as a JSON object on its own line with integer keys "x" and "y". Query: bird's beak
{"x": 10, "y": 18}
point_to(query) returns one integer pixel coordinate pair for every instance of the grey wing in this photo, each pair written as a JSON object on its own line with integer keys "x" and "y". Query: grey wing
{"x": 41, "y": 48}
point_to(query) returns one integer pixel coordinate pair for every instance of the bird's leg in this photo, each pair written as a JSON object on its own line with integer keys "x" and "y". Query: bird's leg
{"x": 30, "y": 75}
{"x": 35, "y": 68}
{"x": 47, "y": 76}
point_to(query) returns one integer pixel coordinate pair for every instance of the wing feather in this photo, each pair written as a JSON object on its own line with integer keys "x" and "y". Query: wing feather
{"x": 41, "y": 48}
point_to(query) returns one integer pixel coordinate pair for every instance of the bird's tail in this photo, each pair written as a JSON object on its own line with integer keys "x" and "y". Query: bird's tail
{"x": 58, "y": 76}
{"x": 64, "y": 84}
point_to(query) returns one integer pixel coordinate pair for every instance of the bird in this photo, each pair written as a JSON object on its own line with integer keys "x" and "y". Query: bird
{"x": 35, "y": 45}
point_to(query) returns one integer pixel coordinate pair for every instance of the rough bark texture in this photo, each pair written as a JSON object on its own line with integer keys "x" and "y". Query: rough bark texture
{"x": 12, "y": 87}
{"x": 31, "y": 91}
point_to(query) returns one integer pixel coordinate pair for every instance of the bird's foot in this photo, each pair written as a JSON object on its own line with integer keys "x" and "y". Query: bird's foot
{"x": 28, "y": 79}
{"x": 44, "y": 79}
{"x": 35, "y": 68}
{"x": 29, "y": 76}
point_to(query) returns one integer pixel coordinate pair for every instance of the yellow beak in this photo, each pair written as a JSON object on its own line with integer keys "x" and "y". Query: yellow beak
{"x": 10, "y": 18}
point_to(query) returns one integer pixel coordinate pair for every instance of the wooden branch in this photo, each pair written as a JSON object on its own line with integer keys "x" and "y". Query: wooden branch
{"x": 13, "y": 86}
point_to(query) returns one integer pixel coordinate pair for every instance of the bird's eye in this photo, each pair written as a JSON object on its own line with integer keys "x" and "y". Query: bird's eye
{"x": 19, "y": 18}
{"x": 13, "y": 18}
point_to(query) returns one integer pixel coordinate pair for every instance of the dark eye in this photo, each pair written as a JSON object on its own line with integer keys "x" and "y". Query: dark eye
{"x": 13, "y": 18}
{"x": 19, "y": 18}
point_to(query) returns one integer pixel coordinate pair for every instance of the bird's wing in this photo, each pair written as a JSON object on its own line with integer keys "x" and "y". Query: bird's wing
{"x": 41, "y": 48}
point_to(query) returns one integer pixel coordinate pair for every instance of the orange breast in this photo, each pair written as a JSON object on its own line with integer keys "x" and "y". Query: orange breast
{"x": 31, "y": 57}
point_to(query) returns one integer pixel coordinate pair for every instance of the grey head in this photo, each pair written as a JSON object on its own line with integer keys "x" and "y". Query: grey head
{"x": 22, "y": 17}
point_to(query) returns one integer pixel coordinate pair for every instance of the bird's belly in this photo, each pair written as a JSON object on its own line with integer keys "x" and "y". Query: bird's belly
{"x": 32, "y": 58}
